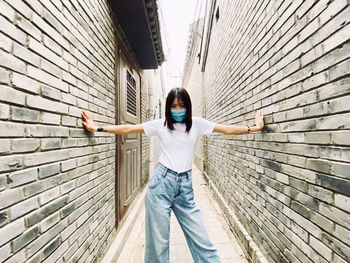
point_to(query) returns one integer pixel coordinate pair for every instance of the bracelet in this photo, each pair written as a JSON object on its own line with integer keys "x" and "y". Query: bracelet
{"x": 248, "y": 129}
{"x": 100, "y": 129}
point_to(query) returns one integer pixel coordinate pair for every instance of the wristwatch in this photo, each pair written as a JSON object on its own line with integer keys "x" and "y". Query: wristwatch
{"x": 248, "y": 129}
{"x": 100, "y": 129}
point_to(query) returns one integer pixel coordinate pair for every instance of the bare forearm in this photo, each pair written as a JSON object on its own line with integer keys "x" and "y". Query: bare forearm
{"x": 235, "y": 129}
{"x": 116, "y": 129}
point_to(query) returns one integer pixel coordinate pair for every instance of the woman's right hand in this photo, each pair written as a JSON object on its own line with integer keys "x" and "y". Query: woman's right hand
{"x": 88, "y": 122}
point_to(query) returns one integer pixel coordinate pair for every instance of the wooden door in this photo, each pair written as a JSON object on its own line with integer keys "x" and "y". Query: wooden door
{"x": 130, "y": 144}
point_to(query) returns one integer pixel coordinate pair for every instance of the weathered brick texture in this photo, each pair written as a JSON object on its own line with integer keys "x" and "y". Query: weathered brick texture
{"x": 57, "y": 181}
{"x": 290, "y": 184}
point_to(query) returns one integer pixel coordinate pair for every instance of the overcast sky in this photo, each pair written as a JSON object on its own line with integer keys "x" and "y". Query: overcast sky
{"x": 175, "y": 18}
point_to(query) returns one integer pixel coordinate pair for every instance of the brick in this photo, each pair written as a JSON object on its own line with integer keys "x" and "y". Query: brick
{"x": 69, "y": 142}
{"x": 24, "y": 115}
{"x": 339, "y": 104}
{"x": 28, "y": 27}
{"x": 48, "y": 170}
{"x": 35, "y": 5}
{"x": 23, "y": 208}
{"x": 37, "y": 102}
{"x": 49, "y": 195}
{"x": 69, "y": 121}
{"x": 46, "y": 131}
{"x": 318, "y": 137}
{"x": 10, "y": 163}
{"x": 11, "y": 95}
{"x": 66, "y": 76}
{"x": 37, "y": 47}
{"x": 11, "y": 231}
{"x": 343, "y": 234}
{"x": 67, "y": 187}
{"x": 68, "y": 232}
{"x": 12, "y": 31}
{"x": 25, "y": 238}
{"x": 4, "y": 146}
{"x": 4, "y": 111}
{"x": 36, "y": 258}
{"x": 68, "y": 165}
{"x": 51, "y": 143}
{"x": 67, "y": 210}
{"x": 341, "y": 170}
{"x": 9, "y": 197}
{"x": 336, "y": 246}
{"x": 69, "y": 99}
{"x": 50, "y": 118}
{"x": 335, "y": 215}
{"x": 3, "y": 181}
{"x": 51, "y": 68}
{"x": 5, "y": 251}
{"x": 321, "y": 193}
{"x": 321, "y": 248}
{"x": 337, "y": 185}
{"x": 339, "y": 70}
{"x": 46, "y": 78}
{"x": 338, "y": 259}
{"x": 35, "y": 159}
{"x": 22, "y": 8}
{"x": 333, "y": 89}
{"x": 4, "y": 75}
{"x": 49, "y": 222}
{"x": 24, "y": 145}
{"x": 11, "y": 62}
{"x": 5, "y": 44}
{"x": 319, "y": 165}
{"x": 58, "y": 253}
{"x": 51, "y": 247}
{"x": 322, "y": 222}
{"x": 24, "y": 83}
{"x": 342, "y": 202}
{"x": 42, "y": 185}
{"x": 335, "y": 121}
{"x": 23, "y": 177}
{"x": 80, "y": 152}
{"x": 50, "y": 93}
{"x": 26, "y": 55}
{"x": 3, "y": 218}
{"x": 7, "y": 11}
{"x": 341, "y": 138}
{"x": 52, "y": 45}
{"x": 45, "y": 211}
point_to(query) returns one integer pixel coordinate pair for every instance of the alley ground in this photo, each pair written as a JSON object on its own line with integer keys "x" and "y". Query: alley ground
{"x": 220, "y": 234}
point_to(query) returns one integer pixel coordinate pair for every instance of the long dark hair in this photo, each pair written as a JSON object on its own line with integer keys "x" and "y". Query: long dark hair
{"x": 182, "y": 94}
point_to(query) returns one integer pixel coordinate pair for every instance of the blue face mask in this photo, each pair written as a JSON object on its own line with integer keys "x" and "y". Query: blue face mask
{"x": 178, "y": 115}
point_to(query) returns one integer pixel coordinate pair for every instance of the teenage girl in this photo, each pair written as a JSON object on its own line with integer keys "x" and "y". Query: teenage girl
{"x": 170, "y": 187}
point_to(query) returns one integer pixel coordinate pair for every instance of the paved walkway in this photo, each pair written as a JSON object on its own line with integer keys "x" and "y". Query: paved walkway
{"x": 220, "y": 234}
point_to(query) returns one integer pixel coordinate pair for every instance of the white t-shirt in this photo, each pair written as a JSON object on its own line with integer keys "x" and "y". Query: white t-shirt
{"x": 178, "y": 146}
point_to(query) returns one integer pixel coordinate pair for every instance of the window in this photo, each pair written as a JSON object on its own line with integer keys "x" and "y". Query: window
{"x": 131, "y": 94}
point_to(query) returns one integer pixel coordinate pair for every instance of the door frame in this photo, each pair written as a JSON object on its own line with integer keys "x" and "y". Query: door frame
{"x": 122, "y": 52}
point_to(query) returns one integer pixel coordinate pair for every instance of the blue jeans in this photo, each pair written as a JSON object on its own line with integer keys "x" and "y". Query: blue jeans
{"x": 168, "y": 190}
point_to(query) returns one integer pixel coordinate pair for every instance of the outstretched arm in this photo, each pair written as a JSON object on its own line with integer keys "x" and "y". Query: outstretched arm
{"x": 235, "y": 129}
{"x": 117, "y": 129}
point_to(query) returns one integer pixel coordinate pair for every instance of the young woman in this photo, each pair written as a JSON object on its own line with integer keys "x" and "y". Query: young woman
{"x": 170, "y": 187}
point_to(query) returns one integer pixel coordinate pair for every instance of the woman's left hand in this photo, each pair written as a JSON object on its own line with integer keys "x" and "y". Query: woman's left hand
{"x": 259, "y": 121}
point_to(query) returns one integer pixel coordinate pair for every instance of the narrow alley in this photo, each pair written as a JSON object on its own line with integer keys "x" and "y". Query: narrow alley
{"x": 228, "y": 248}
{"x": 254, "y": 94}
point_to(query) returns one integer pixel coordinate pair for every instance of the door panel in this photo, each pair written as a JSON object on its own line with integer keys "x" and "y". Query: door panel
{"x": 130, "y": 149}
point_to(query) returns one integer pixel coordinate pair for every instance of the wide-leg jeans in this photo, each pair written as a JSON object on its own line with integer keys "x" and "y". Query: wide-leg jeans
{"x": 169, "y": 190}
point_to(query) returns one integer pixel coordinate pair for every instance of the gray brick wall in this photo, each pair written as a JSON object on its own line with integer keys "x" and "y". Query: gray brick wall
{"x": 290, "y": 184}
{"x": 57, "y": 181}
